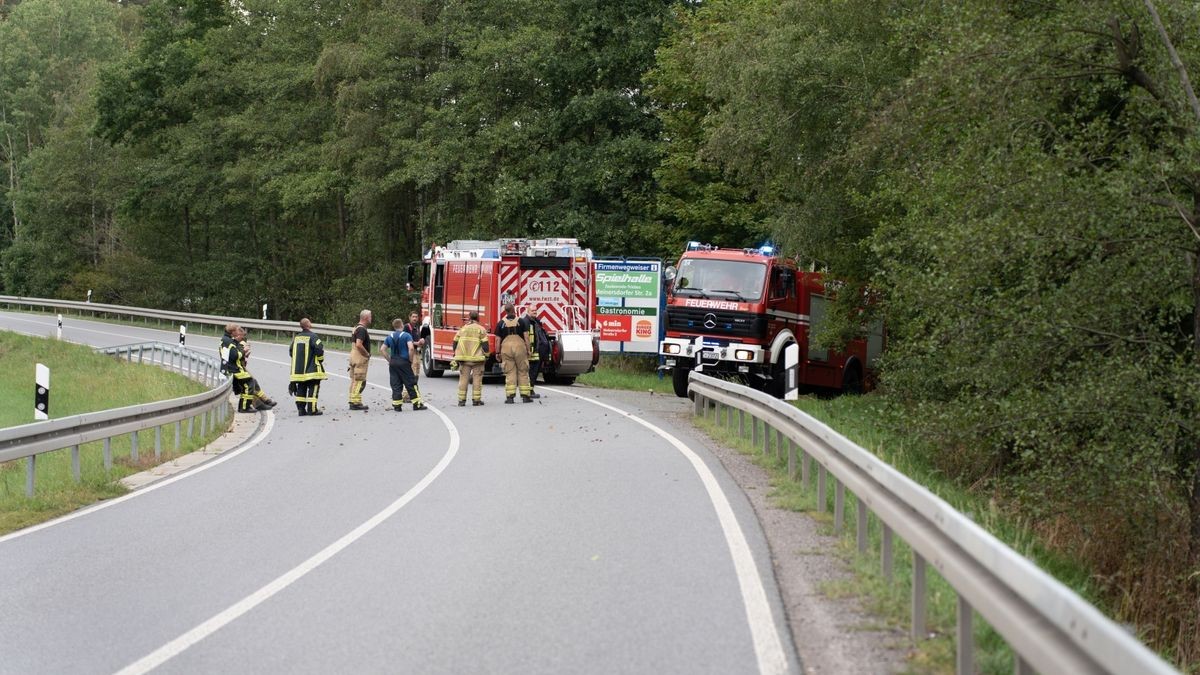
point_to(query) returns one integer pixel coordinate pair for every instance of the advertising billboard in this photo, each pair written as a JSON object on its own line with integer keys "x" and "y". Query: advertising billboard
{"x": 629, "y": 305}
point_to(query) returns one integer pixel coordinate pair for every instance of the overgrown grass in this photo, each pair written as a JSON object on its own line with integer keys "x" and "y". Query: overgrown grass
{"x": 856, "y": 418}
{"x": 80, "y": 381}
{"x": 628, "y": 371}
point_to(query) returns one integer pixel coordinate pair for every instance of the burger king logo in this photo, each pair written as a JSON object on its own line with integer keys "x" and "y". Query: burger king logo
{"x": 643, "y": 330}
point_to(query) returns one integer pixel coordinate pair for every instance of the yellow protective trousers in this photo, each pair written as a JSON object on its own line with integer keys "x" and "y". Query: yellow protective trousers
{"x": 515, "y": 353}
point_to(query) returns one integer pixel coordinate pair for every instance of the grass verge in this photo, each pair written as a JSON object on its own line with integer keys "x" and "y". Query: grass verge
{"x": 855, "y": 417}
{"x": 628, "y": 371}
{"x": 80, "y": 381}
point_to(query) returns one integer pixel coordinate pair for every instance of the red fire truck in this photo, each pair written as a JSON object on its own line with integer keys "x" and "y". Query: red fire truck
{"x": 734, "y": 311}
{"x": 556, "y": 276}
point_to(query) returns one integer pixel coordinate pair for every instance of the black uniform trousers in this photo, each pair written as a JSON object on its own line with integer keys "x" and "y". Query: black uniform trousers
{"x": 402, "y": 377}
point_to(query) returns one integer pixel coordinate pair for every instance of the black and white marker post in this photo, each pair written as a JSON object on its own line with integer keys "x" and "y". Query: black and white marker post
{"x": 791, "y": 364}
{"x": 264, "y": 312}
{"x": 182, "y": 334}
{"x": 89, "y": 297}
{"x": 41, "y": 397}
{"x": 60, "y": 326}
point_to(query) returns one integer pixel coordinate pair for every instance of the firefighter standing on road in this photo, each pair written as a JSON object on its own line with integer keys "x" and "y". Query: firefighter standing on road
{"x": 413, "y": 327}
{"x": 398, "y": 348}
{"x": 360, "y": 359}
{"x": 513, "y": 334}
{"x": 308, "y": 368}
{"x": 539, "y": 349}
{"x": 470, "y": 351}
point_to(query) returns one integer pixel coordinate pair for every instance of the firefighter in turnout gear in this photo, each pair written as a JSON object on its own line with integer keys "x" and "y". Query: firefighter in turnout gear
{"x": 235, "y": 365}
{"x": 261, "y": 400}
{"x": 470, "y": 351}
{"x": 360, "y": 359}
{"x": 539, "y": 349}
{"x": 513, "y": 334}
{"x": 227, "y": 340}
{"x": 308, "y": 368}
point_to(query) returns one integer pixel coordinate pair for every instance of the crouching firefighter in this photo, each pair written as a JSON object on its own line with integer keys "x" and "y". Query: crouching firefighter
{"x": 308, "y": 368}
{"x": 235, "y": 366}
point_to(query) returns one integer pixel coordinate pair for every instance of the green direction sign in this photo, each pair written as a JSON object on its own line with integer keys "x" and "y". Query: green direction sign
{"x": 627, "y": 280}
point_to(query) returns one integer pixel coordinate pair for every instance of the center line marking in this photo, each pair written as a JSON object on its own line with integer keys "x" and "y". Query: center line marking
{"x": 216, "y": 623}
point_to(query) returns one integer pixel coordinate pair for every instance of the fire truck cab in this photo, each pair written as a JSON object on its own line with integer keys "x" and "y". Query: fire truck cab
{"x": 556, "y": 276}
{"x": 734, "y": 311}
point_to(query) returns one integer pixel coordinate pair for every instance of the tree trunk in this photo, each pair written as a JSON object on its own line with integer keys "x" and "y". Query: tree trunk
{"x": 1194, "y": 497}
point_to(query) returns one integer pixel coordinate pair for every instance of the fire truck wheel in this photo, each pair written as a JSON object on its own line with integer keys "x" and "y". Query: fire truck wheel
{"x": 679, "y": 380}
{"x": 852, "y": 379}
{"x": 428, "y": 363}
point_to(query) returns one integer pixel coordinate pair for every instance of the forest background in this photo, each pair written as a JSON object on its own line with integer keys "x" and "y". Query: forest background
{"x": 1019, "y": 182}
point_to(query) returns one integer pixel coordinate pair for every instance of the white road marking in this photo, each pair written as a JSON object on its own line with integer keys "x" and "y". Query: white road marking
{"x": 767, "y": 646}
{"x": 262, "y": 433}
{"x": 216, "y": 623}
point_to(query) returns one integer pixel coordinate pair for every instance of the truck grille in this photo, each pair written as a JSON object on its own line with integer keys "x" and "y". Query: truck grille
{"x": 715, "y": 322}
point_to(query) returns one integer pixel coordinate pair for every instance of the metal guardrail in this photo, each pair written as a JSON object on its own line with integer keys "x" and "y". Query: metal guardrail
{"x": 1049, "y": 627}
{"x": 182, "y": 317}
{"x": 211, "y": 407}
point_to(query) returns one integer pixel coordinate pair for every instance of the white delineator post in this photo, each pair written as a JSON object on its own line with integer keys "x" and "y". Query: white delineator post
{"x": 89, "y": 297}
{"x": 182, "y": 334}
{"x": 264, "y": 312}
{"x": 791, "y": 364}
{"x": 41, "y": 397}
{"x": 60, "y": 326}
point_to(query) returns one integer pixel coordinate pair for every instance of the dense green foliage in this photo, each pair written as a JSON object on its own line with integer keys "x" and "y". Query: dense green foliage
{"x": 1018, "y": 182}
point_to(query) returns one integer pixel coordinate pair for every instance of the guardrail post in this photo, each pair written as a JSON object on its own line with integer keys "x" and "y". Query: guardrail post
{"x": 885, "y": 553}
{"x": 108, "y": 454}
{"x": 30, "y": 463}
{"x": 75, "y": 463}
{"x": 918, "y": 597}
{"x": 966, "y": 639}
{"x": 753, "y": 430}
{"x": 133, "y": 446}
{"x": 158, "y": 442}
{"x": 804, "y": 472}
{"x": 1021, "y": 666}
{"x": 191, "y": 420}
{"x": 791, "y": 459}
{"x": 141, "y": 353}
{"x": 778, "y": 444}
{"x": 741, "y": 423}
{"x": 839, "y": 505}
{"x": 860, "y": 512}
{"x": 766, "y": 438}
{"x": 699, "y": 402}
{"x": 821, "y": 498}
{"x": 178, "y": 429}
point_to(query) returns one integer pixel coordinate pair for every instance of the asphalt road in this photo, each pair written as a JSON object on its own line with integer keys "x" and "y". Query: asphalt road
{"x": 587, "y": 532}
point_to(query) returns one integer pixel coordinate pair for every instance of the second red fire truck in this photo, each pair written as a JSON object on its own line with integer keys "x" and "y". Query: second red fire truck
{"x": 556, "y": 276}
{"x": 735, "y": 311}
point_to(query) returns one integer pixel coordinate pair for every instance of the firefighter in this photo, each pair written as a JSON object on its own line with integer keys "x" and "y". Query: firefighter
{"x": 227, "y": 340}
{"x": 398, "y": 349}
{"x": 539, "y": 349}
{"x": 235, "y": 365}
{"x": 360, "y": 359}
{"x": 470, "y": 351}
{"x": 308, "y": 368}
{"x": 413, "y": 327}
{"x": 261, "y": 400}
{"x": 513, "y": 334}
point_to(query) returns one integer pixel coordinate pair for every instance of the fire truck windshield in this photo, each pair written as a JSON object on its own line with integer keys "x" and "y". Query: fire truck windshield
{"x": 730, "y": 278}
